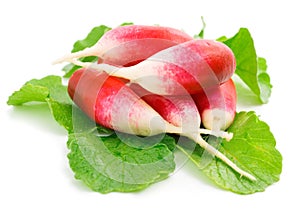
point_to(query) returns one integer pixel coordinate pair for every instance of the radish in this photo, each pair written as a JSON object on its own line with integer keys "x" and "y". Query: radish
{"x": 186, "y": 68}
{"x": 180, "y": 111}
{"x": 132, "y": 43}
{"x": 217, "y": 106}
{"x": 109, "y": 102}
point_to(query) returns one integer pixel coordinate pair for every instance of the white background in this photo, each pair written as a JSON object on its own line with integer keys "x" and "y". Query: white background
{"x": 36, "y": 182}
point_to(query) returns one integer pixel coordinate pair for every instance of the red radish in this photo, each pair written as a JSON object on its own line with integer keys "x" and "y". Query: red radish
{"x": 111, "y": 103}
{"x": 186, "y": 68}
{"x": 217, "y": 106}
{"x": 131, "y": 43}
{"x": 180, "y": 111}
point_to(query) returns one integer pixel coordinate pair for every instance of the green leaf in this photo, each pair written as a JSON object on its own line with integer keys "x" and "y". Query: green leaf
{"x": 62, "y": 113}
{"x": 28, "y": 93}
{"x": 222, "y": 38}
{"x": 107, "y": 164}
{"x": 91, "y": 39}
{"x": 73, "y": 119}
{"x": 126, "y": 23}
{"x": 248, "y": 64}
{"x": 262, "y": 65}
{"x": 264, "y": 80}
{"x": 39, "y": 90}
{"x": 169, "y": 141}
{"x": 252, "y": 148}
{"x": 108, "y": 161}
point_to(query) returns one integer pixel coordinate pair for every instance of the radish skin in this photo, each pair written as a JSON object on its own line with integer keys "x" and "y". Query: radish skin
{"x": 104, "y": 98}
{"x": 189, "y": 68}
{"x": 217, "y": 106}
{"x": 131, "y": 43}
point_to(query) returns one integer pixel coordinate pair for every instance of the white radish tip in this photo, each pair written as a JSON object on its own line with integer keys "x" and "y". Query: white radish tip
{"x": 217, "y": 119}
{"x": 92, "y": 51}
{"x": 61, "y": 60}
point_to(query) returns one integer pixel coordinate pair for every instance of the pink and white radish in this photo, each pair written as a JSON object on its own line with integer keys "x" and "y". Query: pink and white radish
{"x": 217, "y": 106}
{"x": 180, "y": 111}
{"x": 131, "y": 44}
{"x": 111, "y": 103}
{"x": 189, "y": 68}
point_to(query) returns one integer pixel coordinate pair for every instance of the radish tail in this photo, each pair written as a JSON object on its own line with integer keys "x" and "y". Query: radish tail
{"x": 97, "y": 67}
{"x": 209, "y": 148}
{"x": 125, "y": 73}
{"x": 212, "y": 150}
{"x": 92, "y": 51}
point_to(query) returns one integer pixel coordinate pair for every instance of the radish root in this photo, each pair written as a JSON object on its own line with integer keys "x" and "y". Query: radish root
{"x": 72, "y": 57}
{"x": 209, "y": 148}
{"x": 123, "y": 72}
{"x": 212, "y": 150}
{"x": 109, "y": 69}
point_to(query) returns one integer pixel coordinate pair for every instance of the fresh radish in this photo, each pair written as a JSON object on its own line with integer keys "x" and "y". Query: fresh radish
{"x": 187, "y": 68}
{"x": 111, "y": 103}
{"x": 217, "y": 106}
{"x": 180, "y": 111}
{"x": 131, "y": 44}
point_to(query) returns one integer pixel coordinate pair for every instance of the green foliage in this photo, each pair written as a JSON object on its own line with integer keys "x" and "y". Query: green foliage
{"x": 108, "y": 161}
{"x": 250, "y": 68}
{"x": 252, "y": 148}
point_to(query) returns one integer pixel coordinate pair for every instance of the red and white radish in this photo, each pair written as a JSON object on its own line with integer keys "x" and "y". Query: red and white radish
{"x": 189, "y": 68}
{"x": 131, "y": 44}
{"x": 217, "y": 106}
{"x": 111, "y": 103}
{"x": 180, "y": 111}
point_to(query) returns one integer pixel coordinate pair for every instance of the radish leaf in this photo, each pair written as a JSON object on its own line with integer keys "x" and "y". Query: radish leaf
{"x": 109, "y": 161}
{"x": 62, "y": 113}
{"x": 252, "y": 148}
{"x": 104, "y": 160}
{"x": 250, "y": 68}
{"x": 106, "y": 164}
{"x": 28, "y": 93}
{"x": 39, "y": 90}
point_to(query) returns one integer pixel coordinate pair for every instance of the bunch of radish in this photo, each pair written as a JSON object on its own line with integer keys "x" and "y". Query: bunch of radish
{"x": 151, "y": 80}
